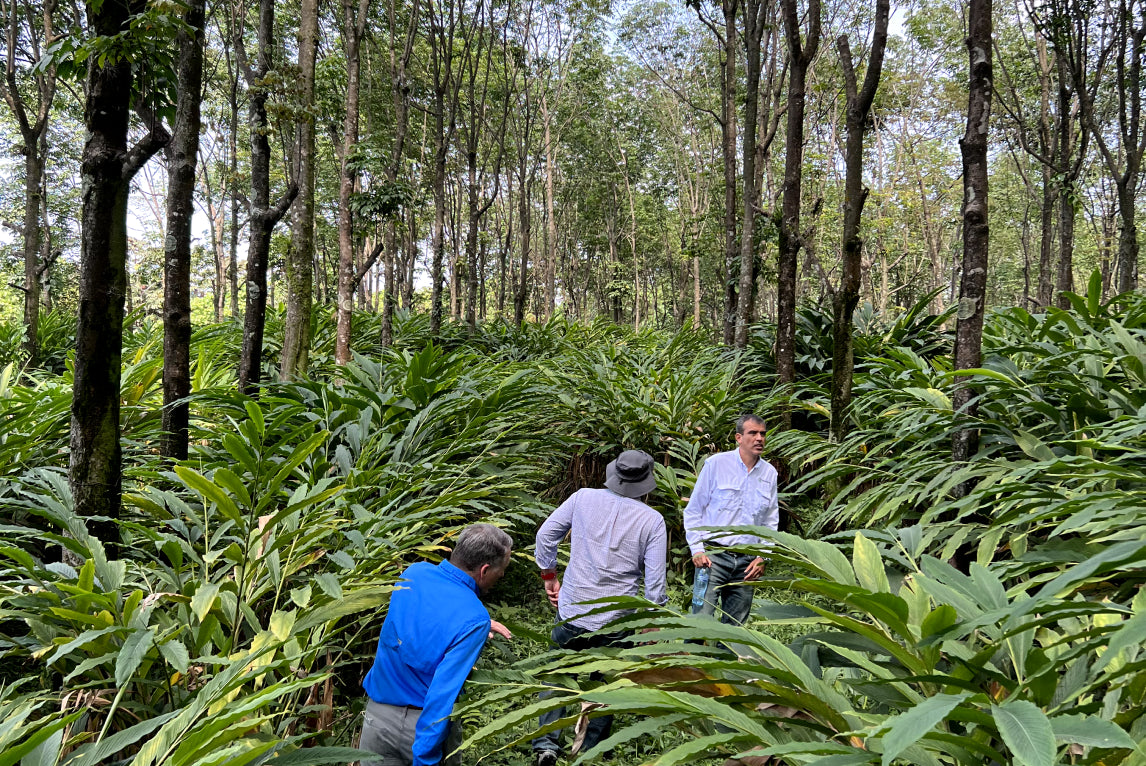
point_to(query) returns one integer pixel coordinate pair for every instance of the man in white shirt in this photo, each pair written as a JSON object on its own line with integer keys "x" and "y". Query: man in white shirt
{"x": 734, "y": 489}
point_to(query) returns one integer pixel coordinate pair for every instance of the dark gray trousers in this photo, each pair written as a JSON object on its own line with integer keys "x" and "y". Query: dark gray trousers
{"x": 388, "y": 730}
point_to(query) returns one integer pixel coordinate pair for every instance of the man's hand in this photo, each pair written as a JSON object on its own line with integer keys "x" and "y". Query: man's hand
{"x": 755, "y": 569}
{"x": 701, "y": 560}
{"x": 498, "y": 628}
{"x": 553, "y": 589}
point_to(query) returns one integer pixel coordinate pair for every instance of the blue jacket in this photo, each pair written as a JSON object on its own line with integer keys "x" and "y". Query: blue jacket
{"x": 433, "y": 633}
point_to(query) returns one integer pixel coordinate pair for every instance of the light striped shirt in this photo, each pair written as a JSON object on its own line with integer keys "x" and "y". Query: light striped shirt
{"x": 615, "y": 543}
{"x": 727, "y": 494}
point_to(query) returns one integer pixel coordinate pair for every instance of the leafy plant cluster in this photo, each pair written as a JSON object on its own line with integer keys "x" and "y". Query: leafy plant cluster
{"x": 990, "y": 612}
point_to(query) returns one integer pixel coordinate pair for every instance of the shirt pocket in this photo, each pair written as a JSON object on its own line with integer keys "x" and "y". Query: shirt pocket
{"x": 727, "y": 494}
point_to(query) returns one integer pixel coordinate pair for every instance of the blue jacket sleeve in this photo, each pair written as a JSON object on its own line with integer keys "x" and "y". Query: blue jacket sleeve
{"x": 451, "y": 674}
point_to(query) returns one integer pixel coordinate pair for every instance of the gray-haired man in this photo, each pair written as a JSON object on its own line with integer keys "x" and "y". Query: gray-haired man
{"x": 434, "y": 630}
{"x": 616, "y": 541}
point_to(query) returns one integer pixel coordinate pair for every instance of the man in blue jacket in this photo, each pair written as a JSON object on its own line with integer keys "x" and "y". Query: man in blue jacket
{"x": 434, "y": 630}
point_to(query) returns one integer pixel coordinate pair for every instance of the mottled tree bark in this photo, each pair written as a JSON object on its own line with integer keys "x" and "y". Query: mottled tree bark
{"x": 300, "y": 256}
{"x": 107, "y": 167}
{"x": 800, "y": 56}
{"x": 33, "y": 131}
{"x": 973, "y": 282}
{"x": 263, "y": 217}
{"x": 182, "y": 158}
{"x": 846, "y": 297}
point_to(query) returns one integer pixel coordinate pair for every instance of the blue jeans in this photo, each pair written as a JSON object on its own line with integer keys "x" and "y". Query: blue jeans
{"x": 735, "y": 600}
{"x": 569, "y": 636}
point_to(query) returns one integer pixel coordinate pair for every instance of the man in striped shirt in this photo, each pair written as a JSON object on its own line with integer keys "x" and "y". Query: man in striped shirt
{"x": 616, "y": 542}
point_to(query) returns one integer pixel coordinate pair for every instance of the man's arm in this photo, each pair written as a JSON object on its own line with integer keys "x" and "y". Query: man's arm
{"x": 656, "y": 554}
{"x": 768, "y": 516}
{"x": 551, "y": 533}
{"x": 694, "y": 511}
{"x": 450, "y": 675}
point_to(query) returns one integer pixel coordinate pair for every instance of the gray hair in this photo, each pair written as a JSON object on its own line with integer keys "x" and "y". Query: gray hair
{"x": 747, "y": 418}
{"x": 480, "y": 544}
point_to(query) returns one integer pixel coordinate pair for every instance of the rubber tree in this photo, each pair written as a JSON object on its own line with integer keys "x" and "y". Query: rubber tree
{"x": 263, "y": 216}
{"x": 801, "y": 53}
{"x": 300, "y": 256}
{"x": 973, "y": 280}
{"x": 846, "y": 296}
{"x": 107, "y": 166}
{"x": 182, "y": 156}
{"x": 31, "y": 111}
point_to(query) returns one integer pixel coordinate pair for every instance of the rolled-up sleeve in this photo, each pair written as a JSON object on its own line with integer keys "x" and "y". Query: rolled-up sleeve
{"x": 552, "y": 532}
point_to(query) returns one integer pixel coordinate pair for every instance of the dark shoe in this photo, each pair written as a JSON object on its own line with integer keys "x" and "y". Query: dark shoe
{"x": 546, "y": 758}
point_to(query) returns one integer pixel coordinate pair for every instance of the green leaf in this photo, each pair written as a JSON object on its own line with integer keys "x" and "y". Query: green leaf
{"x": 1026, "y": 732}
{"x": 1033, "y": 446}
{"x": 13, "y": 754}
{"x": 908, "y": 728}
{"x": 1128, "y": 634}
{"x": 869, "y": 565}
{"x": 210, "y": 492}
{"x": 702, "y": 747}
{"x": 176, "y": 654}
{"x": 134, "y": 649}
{"x": 316, "y": 756}
{"x": 204, "y": 599}
{"x": 1090, "y": 731}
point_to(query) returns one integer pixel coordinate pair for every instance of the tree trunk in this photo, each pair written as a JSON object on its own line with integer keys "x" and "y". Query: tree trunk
{"x": 107, "y": 167}
{"x": 800, "y": 55}
{"x": 728, "y": 149}
{"x": 523, "y": 281}
{"x": 263, "y": 217}
{"x": 182, "y": 158}
{"x": 844, "y": 301}
{"x": 973, "y": 283}
{"x": 754, "y": 20}
{"x": 300, "y": 255}
{"x": 354, "y": 21}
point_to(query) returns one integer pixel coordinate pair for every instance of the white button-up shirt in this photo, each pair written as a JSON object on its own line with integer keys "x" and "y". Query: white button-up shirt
{"x": 728, "y": 494}
{"x": 615, "y": 543}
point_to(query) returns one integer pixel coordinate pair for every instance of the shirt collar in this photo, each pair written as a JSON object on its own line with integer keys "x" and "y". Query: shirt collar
{"x": 451, "y": 571}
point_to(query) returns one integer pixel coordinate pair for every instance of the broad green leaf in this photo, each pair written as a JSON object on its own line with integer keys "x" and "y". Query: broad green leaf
{"x": 702, "y": 747}
{"x": 14, "y": 753}
{"x": 134, "y": 649}
{"x": 175, "y": 652}
{"x": 210, "y": 492}
{"x": 47, "y": 753}
{"x": 909, "y": 727}
{"x": 204, "y": 599}
{"x": 318, "y": 756}
{"x": 1033, "y": 446}
{"x": 1130, "y": 633}
{"x": 1090, "y": 731}
{"x": 1026, "y": 732}
{"x": 869, "y": 565}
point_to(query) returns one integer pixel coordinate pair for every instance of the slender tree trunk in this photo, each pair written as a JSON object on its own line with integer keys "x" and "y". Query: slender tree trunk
{"x": 754, "y": 17}
{"x": 800, "y": 56}
{"x": 263, "y": 217}
{"x": 973, "y": 283}
{"x": 728, "y": 149}
{"x": 300, "y": 256}
{"x": 844, "y": 301}
{"x": 523, "y": 280}
{"x": 182, "y": 158}
{"x": 354, "y": 21}
{"x": 550, "y": 211}
{"x": 107, "y": 167}
{"x": 1046, "y": 240}
{"x": 232, "y": 186}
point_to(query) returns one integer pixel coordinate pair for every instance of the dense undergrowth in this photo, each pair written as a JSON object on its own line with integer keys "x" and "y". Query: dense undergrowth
{"x": 986, "y": 612}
